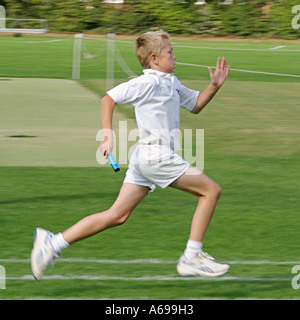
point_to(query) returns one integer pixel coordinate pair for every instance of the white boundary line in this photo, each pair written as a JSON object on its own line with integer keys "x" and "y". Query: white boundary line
{"x": 129, "y": 42}
{"x": 41, "y": 41}
{"x": 175, "y": 45}
{"x": 148, "y": 278}
{"x": 151, "y": 261}
{"x": 275, "y": 49}
{"x": 241, "y": 70}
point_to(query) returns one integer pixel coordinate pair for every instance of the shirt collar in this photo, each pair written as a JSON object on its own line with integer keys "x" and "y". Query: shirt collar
{"x": 158, "y": 73}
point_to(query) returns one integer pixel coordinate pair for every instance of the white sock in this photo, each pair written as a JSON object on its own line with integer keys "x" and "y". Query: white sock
{"x": 58, "y": 242}
{"x": 192, "y": 249}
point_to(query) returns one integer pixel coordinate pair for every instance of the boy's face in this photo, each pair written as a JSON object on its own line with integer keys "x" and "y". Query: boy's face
{"x": 165, "y": 62}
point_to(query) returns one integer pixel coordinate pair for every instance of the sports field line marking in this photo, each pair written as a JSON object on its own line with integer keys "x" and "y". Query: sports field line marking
{"x": 241, "y": 70}
{"x": 41, "y": 41}
{"x": 152, "y": 261}
{"x": 148, "y": 278}
{"x": 44, "y": 41}
{"x": 275, "y": 49}
{"x": 175, "y": 45}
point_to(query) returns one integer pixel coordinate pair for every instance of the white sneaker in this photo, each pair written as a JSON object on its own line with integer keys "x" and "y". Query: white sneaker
{"x": 42, "y": 254}
{"x": 203, "y": 265}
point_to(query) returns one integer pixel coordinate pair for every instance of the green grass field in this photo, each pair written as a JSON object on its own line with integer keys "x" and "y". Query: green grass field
{"x": 50, "y": 177}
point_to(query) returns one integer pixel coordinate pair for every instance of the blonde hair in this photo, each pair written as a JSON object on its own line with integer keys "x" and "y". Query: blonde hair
{"x": 149, "y": 43}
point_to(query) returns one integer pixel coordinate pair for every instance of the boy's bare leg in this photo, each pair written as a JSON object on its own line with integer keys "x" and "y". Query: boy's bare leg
{"x": 194, "y": 262}
{"x": 208, "y": 192}
{"x": 129, "y": 197}
{"x": 47, "y": 246}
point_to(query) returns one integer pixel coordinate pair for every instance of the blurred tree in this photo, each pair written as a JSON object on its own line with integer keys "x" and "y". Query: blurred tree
{"x": 281, "y": 12}
{"x": 241, "y": 18}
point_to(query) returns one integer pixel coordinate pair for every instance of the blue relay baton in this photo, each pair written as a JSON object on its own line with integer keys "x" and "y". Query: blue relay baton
{"x": 113, "y": 163}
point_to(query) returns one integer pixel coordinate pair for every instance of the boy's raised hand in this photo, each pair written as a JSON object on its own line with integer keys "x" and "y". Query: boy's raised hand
{"x": 219, "y": 76}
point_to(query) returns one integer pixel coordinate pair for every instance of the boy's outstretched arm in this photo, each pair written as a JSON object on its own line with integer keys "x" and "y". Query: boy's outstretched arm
{"x": 217, "y": 79}
{"x": 107, "y": 110}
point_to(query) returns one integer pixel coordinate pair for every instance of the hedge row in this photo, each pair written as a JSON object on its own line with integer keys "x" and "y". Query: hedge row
{"x": 254, "y": 18}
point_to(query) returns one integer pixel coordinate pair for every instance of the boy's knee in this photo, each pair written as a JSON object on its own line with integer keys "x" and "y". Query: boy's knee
{"x": 118, "y": 219}
{"x": 215, "y": 190}
{"x": 122, "y": 220}
{"x": 218, "y": 190}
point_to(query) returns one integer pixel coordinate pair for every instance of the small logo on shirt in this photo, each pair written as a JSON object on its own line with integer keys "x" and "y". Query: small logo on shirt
{"x": 177, "y": 90}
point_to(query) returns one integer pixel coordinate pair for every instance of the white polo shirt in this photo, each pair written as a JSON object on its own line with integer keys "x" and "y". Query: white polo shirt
{"x": 157, "y": 97}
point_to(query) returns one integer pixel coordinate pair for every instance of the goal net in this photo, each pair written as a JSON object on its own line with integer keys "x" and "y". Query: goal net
{"x": 101, "y": 61}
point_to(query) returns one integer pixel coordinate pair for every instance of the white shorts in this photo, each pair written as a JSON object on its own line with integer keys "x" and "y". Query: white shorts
{"x": 153, "y": 166}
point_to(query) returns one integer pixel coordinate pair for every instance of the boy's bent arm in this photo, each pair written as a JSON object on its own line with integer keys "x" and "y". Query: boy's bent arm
{"x": 204, "y": 97}
{"x": 217, "y": 79}
{"x": 107, "y": 110}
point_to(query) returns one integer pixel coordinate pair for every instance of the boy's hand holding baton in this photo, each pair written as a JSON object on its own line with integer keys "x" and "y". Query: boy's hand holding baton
{"x": 106, "y": 146}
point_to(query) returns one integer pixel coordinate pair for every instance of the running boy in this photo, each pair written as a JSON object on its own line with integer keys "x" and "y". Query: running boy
{"x": 157, "y": 96}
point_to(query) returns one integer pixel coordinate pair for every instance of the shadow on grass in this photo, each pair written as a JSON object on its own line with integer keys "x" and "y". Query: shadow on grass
{"x": 58, "y": 198}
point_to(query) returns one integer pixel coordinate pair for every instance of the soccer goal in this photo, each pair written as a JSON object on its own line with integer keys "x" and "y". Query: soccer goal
{"x": 21, "y": 25}
{"x": 95, "y": 58}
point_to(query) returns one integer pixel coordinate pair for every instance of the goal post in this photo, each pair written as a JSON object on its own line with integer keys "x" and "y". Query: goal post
{"x": 79, "y": 51}
{"x": 113, "y": 55}
{"x": 21, "y": 25}
{"x": 2, "y": 18}
{"x": 77, "y": 56}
